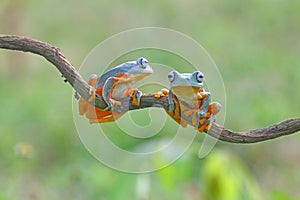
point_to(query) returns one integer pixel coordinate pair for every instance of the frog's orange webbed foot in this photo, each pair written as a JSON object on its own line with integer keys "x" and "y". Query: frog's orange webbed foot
{"x": 83, "y": 105}
{"x": 97, "y": 115}
{"x": 205, "y": 122}
{"x": 175, "y": 111}
{"x": 164, "y": 92}
{"x": 108, "y": 118}
{"x": 136, "y": 97}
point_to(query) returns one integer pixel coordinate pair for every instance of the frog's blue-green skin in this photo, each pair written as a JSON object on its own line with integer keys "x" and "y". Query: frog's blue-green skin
{"x": 119, "y": 79}
{"x": 186, "y": 86}
{"x": 193, "y": 102}
{"x": 115, "y": 83}
{"x": 135, "y": 69}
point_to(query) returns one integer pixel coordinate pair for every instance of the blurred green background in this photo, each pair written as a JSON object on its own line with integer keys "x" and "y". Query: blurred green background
{"x": 256, "y": 46}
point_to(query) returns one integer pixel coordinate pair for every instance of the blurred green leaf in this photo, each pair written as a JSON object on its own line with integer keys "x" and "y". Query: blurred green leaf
{"x": 256, "y": 47}
{"x": 225, "y": 177}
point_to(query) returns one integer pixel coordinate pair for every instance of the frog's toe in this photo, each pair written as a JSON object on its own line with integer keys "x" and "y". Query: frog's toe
{"x": 93, "y": 77}
{"x": 214, "y": 107}
{"x": 165, "y": 91}
{"x": 204, "y": 124}
{"x": 158, "y": 94}
{"x": 204, "y": 128}
{"x": 136, "y": 97}
{"x": 199, "y": 96}
{"x": 162, "y": 93}
{"x": 92, "y": 94}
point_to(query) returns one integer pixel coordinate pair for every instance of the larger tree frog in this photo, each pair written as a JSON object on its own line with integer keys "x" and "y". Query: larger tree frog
{"x": 115, "y": 83}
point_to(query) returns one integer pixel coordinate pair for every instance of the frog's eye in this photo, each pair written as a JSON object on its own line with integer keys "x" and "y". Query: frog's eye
{"x": 142, "y": 62}
{"x": 171, "y": 76}
{"x": 199, "y": 76}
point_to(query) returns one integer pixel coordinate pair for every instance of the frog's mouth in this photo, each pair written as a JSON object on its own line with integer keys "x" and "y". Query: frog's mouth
{"x": 132, "y": 77}
{"x": 136, "y": 77}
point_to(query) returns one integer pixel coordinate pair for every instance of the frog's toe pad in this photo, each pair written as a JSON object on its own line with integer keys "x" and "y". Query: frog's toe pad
{"x": 162, "y": 93}
{"x": 214, "y": 107}
{"x": 165, "y": 91}
{"x": 136, "y": 97}
{"x": 158, "y": 94}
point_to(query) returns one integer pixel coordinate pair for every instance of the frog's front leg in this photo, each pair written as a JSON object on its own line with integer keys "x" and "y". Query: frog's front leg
{"x": 107, "y": 91}
{"x": 205, "y": 104}
{"x": 136, "y": 97}
{"x": 171, "y": 101}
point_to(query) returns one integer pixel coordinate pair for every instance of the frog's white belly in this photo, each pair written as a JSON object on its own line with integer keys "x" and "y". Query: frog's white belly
{"x": 120, "y": 90}
{"x": 190, "y": 100}
{"x": 187, "y": 94}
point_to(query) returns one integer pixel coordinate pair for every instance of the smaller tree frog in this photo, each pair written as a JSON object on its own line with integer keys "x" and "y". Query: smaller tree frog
{"x": 188, "y": 101}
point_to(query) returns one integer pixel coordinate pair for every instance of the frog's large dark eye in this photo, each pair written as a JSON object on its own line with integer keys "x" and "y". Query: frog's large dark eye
{"x": 199, "y": 76}
{"x": 142, "y": 62}
{"x": 171, "y": 76}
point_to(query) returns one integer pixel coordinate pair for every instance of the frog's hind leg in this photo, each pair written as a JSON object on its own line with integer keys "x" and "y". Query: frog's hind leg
{"x": 204, "y": 124}
{"x": 213, "y": 109}
{"x": 171, "y": 101}
{"x": 107, "y": 118}
{"x": 83, "y": 105}
{"x": 107, "y": 91}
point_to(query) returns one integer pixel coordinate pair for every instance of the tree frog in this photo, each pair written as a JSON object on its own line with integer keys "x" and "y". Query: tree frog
{"x": 188, "y": 102}
{"x": 113, "y": 84}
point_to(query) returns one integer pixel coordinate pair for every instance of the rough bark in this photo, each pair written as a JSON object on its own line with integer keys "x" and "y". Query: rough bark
{"x": 71, "y": 75}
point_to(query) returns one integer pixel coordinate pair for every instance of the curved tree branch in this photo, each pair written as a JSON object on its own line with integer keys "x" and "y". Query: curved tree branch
{"x": 71, "y": 75}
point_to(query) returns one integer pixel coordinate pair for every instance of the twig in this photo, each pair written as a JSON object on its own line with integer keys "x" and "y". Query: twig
{"x": 71, "y": 75}
{"x": 286, "y": 127}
